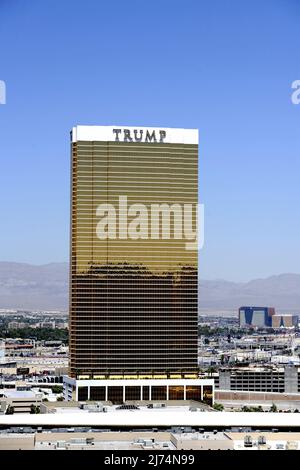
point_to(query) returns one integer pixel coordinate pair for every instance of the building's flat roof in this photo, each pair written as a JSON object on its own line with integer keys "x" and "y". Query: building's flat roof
{"x": 196, "y": 436}
{"x": 287, "y": 405}
{"x": 19, "y": 394}
{"x": 138, "y": 382}
{"x": 155, "y": 418}
{"x": 113, "y": 409}
{"x": 270, "y": 436}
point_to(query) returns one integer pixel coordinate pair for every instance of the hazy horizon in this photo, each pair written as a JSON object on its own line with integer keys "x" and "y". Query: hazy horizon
{"x": 46, "y": 287}
{"x": 243, "y": 281}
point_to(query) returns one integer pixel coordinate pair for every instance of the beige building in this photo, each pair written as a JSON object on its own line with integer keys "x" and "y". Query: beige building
{"x": 284, "y": 321}
{"x": 20, "y": 401}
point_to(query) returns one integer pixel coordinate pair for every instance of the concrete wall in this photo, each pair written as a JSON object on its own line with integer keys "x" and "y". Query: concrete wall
{"x": 102, "y": 436}
{"x": 17, "y": 442}
{"x": 255, "y": 396}
{"x": 291, "y": 379}
{"x": 201, "y": 444}
{"x": 224, "y": 380}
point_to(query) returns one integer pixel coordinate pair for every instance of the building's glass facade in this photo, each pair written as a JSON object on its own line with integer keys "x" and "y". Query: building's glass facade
{"x": 133, "y": 307}
{"x": 256, "y": 316}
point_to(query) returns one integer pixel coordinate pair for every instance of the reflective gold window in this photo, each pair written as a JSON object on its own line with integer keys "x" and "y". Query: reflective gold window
{"x": 133, "y": 307}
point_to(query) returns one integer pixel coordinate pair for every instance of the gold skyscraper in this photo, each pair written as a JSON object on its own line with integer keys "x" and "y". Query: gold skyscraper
{"x": 134, "y": 256}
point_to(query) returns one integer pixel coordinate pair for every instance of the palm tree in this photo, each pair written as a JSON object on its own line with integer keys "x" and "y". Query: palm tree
{"x": 211, "y": 370}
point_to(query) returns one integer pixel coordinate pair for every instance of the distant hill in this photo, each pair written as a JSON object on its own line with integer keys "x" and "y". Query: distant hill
{"x": 281, "y": 292}
{"x": 46, "y": 287}
{"x": 34, "y": 287}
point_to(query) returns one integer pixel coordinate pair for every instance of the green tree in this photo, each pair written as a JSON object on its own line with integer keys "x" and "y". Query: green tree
{"x": 39, "y": 334}
{"x": 218, "y": 407}
{"x": 211, "y": 370}
{"x": 10, "y": 410}
{"x": 246, "y": 409}
{"x": 34, "y": 409}
{"x": 273, "y": 408}
{"x": 57, "y": 389}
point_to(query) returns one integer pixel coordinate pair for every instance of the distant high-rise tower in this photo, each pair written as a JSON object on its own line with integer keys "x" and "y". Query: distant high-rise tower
{"x": 256, "y": 316}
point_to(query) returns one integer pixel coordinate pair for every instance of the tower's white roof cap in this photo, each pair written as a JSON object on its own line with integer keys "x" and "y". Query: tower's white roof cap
{"x": 135, "y": 134}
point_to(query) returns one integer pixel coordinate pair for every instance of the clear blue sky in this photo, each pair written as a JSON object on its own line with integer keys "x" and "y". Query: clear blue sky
{"x": 223, "y": 66}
